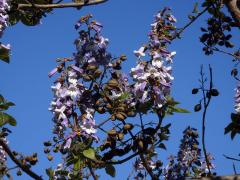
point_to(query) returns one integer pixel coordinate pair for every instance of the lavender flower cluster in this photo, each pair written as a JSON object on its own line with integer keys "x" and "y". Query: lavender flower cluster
{"x": 72, "y": 105}
{"x": 188, "y": 162}
{"x": 4, "y": 7}
{"x": 153, "y": 79}
{"x": 237, "y": 99}
{"x": 82, "y": 89}
{"x": 3, "y": 158}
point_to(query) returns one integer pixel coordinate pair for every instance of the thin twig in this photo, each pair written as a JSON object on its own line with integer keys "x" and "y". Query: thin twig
{"x": 18, "y": 163}
{"x": 206, "y": 104}
{"x": 63, "y": 5}
{"x": 123, "y": 160}
{"x": 231, "y": 158}
{"x": 234, "y": 169}
{"x": 190, "y": 23}
{"x": 145, "y": 163}
{"x": 222, "y": 51}
{"x": 102, "y": 123}
{"x": 92, "y": 172}
{"x": 149, "y": 170}
{"x": 141, "y": 119}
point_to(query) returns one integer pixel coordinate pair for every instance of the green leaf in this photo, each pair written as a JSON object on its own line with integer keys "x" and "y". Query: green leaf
{"x": 180, "y": 110}
{"x": 6, "y": 105}
{"x": 2, "y": 100}
{"x": 30, "y": 19}
{"x": 4, "y": 53}
{"x": 195, "y": 169}
{"x": 14, "y": 17}
{"x": 195, "y": 8}
{"x": 191, "y": 17}
{"x": 89, "y": 153}
{"x": 235, "y": 118}
{"x": 123, "y": 96}
{"x": 233, "y": 134}
{"x": 50, "y": 173}
{"x": 70, "y": 160}
{"x": 229, "y": 128}
{"x": 171, "y": 101}
{"x": 76, "y": 167}
{"x": 110, "y": 169}
{"x": 162, "y": 146}
{"x": 7, "y": 119}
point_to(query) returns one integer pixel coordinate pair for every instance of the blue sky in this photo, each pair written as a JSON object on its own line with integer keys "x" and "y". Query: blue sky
{"x": 126, "y": 23}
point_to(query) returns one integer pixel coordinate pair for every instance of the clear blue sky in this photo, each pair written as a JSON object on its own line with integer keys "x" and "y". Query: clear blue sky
{"x": 126, "y": 23}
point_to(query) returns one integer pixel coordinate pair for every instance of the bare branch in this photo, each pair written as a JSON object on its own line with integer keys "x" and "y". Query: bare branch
{"x": 234, "y": 8}
{"x": 18, "y": 163}
{"x": 63, "y": 5}
{"x": 206, "y": 105}
{"x": 231, "y": 158}
{"x": 189, "y": 23}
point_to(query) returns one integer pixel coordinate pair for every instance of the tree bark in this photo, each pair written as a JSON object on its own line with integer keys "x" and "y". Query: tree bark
{"x": 234, "y": 8}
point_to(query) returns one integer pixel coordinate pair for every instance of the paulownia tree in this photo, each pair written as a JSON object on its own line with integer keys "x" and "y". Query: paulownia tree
{"x": 91, "y": 85}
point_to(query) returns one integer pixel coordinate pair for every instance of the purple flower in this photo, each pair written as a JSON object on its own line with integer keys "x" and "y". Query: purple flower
{"x": 4, "y": 7}
{"x": 237, "y": 99}
{"x": 52, "y": 72}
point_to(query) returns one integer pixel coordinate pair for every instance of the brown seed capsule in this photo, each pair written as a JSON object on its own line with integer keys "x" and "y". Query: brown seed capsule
{"x": 46, "y": 150}
{"x": 55, "y": 150}
{"x": 140, "y": 144}
{"x": 123, "y": 57}
{"x": 115, "y": 75}
{"x": 128, "y": 126}
{"x": 49, "y": 157}
{"x": 19, "y": 173}
{"x": 101, "y": 110}
{"x": 120, "y": 117}
{"x": 47, "y": 143}
{"x": 109, "y": 106}
{"x": 86, "y": 78}
{"x": 120, "y": 136}
{"x": 34, "y": 155}
{"x": 33, "y": 161}
{"x": 15, "y": 153}
{"x": 105, "y": 99}
{"x": 131, "y": 114}
{"x": 113, "y": 117}
{"x": 118, "y": 62}
{"x": 113, "y": 132}
{"x": 97, "y": 73}
{"x": 28, "y": 158}
{"x": 113, "y": 83}
{"x": 121, "y": 108}
{"x": 91, "y": 67}
{"x": 98, "y": 102}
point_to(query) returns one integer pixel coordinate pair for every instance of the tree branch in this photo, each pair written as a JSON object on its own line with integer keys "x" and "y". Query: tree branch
{"x": 18, "y": 163}
{"x": 92, "y": 172}
{"x": 234, "y": 8}
{"x": 231, "y": 158}
{"x": 63, "y": 5}
{"x": 123, "y": 160}
{"x": 190, "y": 23}
{"x": 206, "y": 104}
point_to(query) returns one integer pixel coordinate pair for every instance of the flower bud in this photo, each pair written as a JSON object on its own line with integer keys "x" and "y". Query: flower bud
{"x": 194, "y": 91}
{"x": 197, "y": 107}
{"x": 214, "y": 92}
